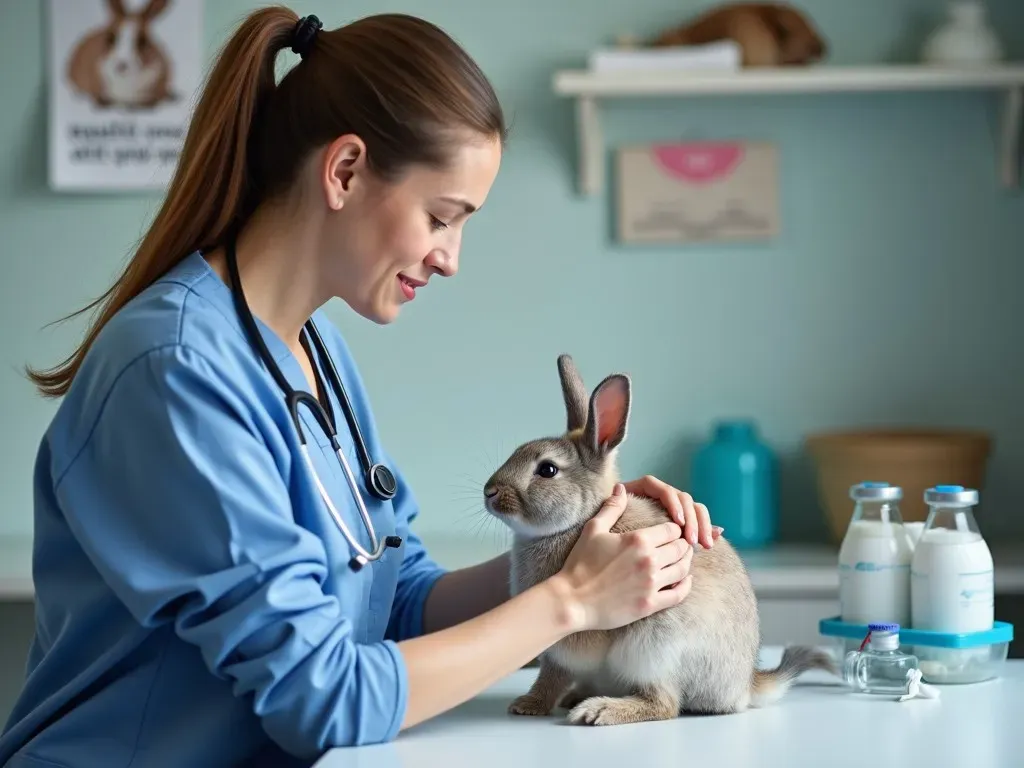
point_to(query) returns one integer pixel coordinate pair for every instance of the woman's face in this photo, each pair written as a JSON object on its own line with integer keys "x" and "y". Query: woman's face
{"x": 383, "y": 242}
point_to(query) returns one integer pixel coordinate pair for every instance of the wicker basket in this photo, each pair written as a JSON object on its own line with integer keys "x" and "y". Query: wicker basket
{"x": 913, "y": 459}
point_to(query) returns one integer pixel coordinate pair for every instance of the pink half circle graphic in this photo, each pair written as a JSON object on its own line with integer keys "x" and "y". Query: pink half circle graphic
{"x": 699, "y": 161}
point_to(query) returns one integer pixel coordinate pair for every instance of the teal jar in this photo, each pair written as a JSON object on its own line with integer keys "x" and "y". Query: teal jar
{"x": 736, "y": 475}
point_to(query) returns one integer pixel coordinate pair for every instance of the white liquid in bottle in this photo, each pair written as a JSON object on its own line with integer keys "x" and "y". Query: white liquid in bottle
{"x": 952, "y": 579}
{"x": 874, "y": 559}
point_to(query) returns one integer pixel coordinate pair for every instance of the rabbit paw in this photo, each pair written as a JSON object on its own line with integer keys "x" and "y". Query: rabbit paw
{"x": 602, "y": 710}
{"x": 641, "y": 708}
{"x": 528, "y": 705}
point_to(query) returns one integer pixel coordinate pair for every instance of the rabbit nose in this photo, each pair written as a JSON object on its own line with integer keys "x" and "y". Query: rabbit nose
{"x": 490, "y": 492}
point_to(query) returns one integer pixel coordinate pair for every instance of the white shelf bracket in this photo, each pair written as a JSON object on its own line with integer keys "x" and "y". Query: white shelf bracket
{"x": 1013, "y": 110}
{"x": 590, "y": 143}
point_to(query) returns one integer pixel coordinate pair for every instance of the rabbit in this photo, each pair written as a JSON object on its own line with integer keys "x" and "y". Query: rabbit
{"x": 120, "y": 64}
{"x": 769, "y": 34}
{"x": 698, "y": 657}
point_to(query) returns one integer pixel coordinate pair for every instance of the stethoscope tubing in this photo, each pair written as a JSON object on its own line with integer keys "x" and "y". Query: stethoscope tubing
{"x": 379, "y": 478}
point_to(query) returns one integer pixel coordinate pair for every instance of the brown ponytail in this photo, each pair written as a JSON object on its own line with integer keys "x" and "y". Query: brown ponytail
{"x": 397, "y": 81}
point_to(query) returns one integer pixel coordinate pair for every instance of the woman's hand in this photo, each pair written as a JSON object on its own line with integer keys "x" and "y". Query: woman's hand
{"x": 690, "y": 515}
{"x": 608, "y": 580}
{"x": 611, "y": 579}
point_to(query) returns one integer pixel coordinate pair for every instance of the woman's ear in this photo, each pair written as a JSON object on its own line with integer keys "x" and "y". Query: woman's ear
{"x": 344, "y": 166}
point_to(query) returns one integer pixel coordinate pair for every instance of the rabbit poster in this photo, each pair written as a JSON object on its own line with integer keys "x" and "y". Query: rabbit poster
{"x": 124, "y": 75}
{"x": 698, "y": 192}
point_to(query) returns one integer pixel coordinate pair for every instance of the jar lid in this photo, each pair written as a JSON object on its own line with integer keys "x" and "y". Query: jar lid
{"x": 951, "y": 494}
{"x": 874, "y": 491}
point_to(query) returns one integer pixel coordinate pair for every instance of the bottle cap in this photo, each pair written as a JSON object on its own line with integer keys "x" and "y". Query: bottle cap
{"x": 883, "y": 628}
{"x": 951, "y": 494}
{"x": 892, "y": 628}
{"x": 875, "y": 491}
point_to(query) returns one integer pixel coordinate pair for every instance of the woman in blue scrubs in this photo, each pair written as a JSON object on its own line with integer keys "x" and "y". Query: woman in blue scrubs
{"x": 195, "y": 604}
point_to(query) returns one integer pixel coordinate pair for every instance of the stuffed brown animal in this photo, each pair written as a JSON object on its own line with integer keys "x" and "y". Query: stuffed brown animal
{"x": 769, "y": 34}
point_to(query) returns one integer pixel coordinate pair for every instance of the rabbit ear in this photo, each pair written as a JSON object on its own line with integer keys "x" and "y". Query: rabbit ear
{"x": 117, "y": 8}
{"x": 609, "y": 413}
{"x": 574, "y": 393}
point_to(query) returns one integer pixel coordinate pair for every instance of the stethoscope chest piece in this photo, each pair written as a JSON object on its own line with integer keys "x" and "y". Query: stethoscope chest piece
{"x": 382, "y": 482}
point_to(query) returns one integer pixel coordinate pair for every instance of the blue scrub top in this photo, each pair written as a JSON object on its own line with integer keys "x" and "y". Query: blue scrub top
{"x": 194, "y": 601}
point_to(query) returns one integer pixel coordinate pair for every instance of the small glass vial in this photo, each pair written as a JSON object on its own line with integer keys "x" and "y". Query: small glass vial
{"x": 881, "y": 667}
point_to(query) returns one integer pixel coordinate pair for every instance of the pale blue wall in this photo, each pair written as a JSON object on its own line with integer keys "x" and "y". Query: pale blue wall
{"x": 893, "y": 218}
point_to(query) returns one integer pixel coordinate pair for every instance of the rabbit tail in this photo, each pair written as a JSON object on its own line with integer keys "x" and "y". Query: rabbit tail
{"x": 771, "y": 685}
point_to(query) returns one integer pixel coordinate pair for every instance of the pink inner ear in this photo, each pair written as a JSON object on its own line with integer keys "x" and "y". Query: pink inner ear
{"x": 610, "y": 406}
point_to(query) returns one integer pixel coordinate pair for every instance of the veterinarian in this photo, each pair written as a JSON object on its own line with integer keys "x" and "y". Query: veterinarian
{"x": 209, "y": 589}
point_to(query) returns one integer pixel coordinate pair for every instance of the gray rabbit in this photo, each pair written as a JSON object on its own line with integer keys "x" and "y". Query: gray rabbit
{"x": 698, "y": 657}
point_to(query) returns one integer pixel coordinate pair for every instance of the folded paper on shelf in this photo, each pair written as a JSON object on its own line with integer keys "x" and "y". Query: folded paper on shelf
{"x": 723, "y": 55}
{"x": 698, "y": 192}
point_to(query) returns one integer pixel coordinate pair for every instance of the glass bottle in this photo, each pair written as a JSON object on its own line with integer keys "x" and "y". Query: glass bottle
{"x": 881, "y": 667}
{"x": 952, "y": 584}
{"x": 875, "y": 557}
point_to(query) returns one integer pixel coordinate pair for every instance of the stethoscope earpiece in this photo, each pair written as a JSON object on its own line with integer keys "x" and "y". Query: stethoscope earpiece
{"x": 380, "y": 480}
{"x": 357, "y": 562}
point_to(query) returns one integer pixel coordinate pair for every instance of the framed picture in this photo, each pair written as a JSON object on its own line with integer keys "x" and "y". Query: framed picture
{"x": 123, "y": 78}
{"x": 698, "y": 192}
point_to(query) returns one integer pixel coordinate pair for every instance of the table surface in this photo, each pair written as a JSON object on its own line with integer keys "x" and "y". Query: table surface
{"x": 818, "y": 723}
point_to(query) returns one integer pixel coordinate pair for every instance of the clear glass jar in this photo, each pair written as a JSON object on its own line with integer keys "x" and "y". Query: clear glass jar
{"x": 881, "y": 667}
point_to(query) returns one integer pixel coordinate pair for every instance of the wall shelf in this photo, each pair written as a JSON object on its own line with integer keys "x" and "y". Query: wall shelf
{"x": 587, "y": 88}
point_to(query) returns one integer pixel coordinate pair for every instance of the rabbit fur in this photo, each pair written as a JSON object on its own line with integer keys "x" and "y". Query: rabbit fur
{"x": 121, "y": 64}
{"x": 769, "y": 34}
{"x": 697, "y": 657}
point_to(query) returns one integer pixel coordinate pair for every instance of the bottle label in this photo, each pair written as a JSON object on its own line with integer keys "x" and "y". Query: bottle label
{"x": 952, "y": 586}
{"x": 872, "y": 592}
{"x": 960, "y": 602}
{"x": 874, "y": 573}
{"x": 864, "y": 566}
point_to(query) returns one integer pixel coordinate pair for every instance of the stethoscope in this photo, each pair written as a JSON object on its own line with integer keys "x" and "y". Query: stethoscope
{"x": 379, "y": 480}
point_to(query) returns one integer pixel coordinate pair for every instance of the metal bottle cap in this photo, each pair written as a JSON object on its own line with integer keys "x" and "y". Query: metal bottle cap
{"x": 951, "y": 495}
{"x": 872, "y": 491}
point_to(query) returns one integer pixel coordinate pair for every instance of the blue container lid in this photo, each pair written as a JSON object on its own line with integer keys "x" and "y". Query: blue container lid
{"x": 1001, "y": 632}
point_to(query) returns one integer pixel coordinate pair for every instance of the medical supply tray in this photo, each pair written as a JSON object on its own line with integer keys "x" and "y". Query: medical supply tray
{"x": 944, "y": 657}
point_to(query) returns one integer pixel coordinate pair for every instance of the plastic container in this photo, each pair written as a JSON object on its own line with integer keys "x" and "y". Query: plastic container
{"x": 943, "y": 658}
{"x": 735, "y": 475}
{"x": 952, "y": 580}
{"x": 874, "y": 559}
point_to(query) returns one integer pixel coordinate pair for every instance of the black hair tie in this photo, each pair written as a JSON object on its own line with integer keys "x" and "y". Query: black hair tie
{"x": 305, "y": 33}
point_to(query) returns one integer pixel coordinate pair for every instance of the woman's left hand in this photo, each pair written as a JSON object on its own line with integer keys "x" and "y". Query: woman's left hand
{"x": 691, "y": 516}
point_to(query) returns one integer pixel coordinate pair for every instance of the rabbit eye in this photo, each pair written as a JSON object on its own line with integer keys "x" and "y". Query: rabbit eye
{"x": 547, "y": 469}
